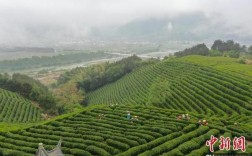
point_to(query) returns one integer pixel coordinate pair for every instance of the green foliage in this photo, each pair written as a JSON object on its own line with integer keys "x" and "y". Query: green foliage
{"x": 9, "y": 126}
{"x": 229, "y": 45}
{"x": 7, "y": 152}
{"x": 228, "y": 48}
{"x": 160, "y": 92}
{"x": 73, "y": 85}
{"x": 15, "y": 108}
{"x": 215, "y": 53}
{"x": 79, "y": 152}
{"x": 45, "y": 61}
{"x": 200, "y": 91}
{"x": 97, "y": 151}
{"x": 142, "y": 148}
{"x": 112, "y": 72}
{"x": 202, "y": 151}
{"x": 189, "y": 128}
{"x": 225, "y": 64}
{"x": 84, "y": 134}
{"x": 179, "y": 85}
{"x": 174, "y": 152}
{"x": 68, "y": 97}
{"x": 200, "y": 49}
{"x": 117, "y": 144}
{"x": 242, "y": 61}
{"x": 31, "y": 89}
{"x": 233, "y": 54}
{"x": 169, "y": 145}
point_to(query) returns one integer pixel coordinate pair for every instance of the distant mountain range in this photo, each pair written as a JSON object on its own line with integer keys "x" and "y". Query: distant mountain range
{"x": 185, "y": 27}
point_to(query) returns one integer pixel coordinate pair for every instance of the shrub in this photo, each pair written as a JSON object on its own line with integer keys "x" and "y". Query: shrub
{"x": 141, "y": 148}
{"x": 117, "y": 144}
{"x": 202, "y": 151}
{"x": 97, "y": 151}
{"x": 242, "y": 61}
{"x": 144, "y": 136}
{"x": 215, "y": 53}
{"x": 174, "y": 152}
{"x": 189, "y": 128}
{"x": 79, "y": 152}
{"x": 14, "y": 153}
{"x": 188, "y": 146}
{"x": 93, "y": 137}
{"x": 126, "y": 141}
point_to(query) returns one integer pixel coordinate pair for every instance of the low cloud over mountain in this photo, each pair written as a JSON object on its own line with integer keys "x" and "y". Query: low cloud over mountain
{"x": 46, "y": 22}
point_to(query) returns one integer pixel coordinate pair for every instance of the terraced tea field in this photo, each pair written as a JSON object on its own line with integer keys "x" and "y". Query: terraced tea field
{"x": 180, "y": 86}
{"x": 15, "y": 108}
{"x": 157, "y": 132}
{"x": 157, "y": 94}
{"x": 231, "y": 65}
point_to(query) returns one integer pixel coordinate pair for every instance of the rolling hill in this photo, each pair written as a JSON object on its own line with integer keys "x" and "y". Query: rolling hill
{"x": 180, "y": 85}
{"x": 225, "y": 64}
{"x": 158, "y": 94}
{"x": 15, "y": 108}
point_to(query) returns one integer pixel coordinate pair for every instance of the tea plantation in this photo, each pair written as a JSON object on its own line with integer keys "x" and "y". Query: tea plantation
{"x": 158, "y": 94}
{"x": 15, "y": 108}
{"x": 157, "y": 132}
{"x": 180, "y": 86}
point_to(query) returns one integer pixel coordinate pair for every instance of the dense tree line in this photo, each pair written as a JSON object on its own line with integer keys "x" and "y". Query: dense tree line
{"x": 200, "y": 49}
{"x": 29, "y": 88}
{"x": 229, "y": 45}
{"x": 73, "y": 85}
{"x": 45, "y": 61}
{"x": 219, "y": 48}
{"x": 228, "y": 48}
{"x": 111, "y": 73}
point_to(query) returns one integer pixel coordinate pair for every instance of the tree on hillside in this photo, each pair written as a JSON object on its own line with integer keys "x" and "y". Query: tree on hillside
{"x": 68, "y": 97}
{"x": 200, "y": 49}
{"x": 233, "y": 54}
{"x": 250, "y": 50}
{"x": 218, "y": 45}
{"x": 244, "y": 48}
{"x": 100, "y": 76}
{"x": 229, "y": 45}
{"x": 29, "y": 88}
{"x": 228, "y": 48}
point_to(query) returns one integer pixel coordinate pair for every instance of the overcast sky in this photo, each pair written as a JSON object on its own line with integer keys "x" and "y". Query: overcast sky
{"x": 37, "y": 21}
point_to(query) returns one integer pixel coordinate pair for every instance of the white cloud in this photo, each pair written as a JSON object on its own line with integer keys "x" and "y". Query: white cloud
{"x": 44, "y": 20}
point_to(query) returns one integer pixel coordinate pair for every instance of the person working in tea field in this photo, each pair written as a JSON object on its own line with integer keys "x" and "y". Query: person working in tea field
{"x": 179, "y": 117}
{"x": 134, "y": 119}
{"x": 112, "y": 106}
{"x": 183, "y": 116}
{"x": 203, "y": 123}
{"x": 128, "y": 115}
{"x": 100, "y": 116}
{"x": 199, "y": 122}
{"x": 187, "y": 117}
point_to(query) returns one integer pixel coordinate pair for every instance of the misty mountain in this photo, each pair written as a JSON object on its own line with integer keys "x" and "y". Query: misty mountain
{"x": 193, "y": 26}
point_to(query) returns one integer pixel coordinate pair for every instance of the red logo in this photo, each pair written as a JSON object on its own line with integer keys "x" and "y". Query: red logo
{"x": 211, "y": 142}
{"x": 224, "y": 143}
{"x": 238, "y": 143}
